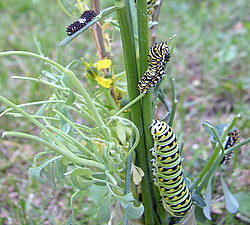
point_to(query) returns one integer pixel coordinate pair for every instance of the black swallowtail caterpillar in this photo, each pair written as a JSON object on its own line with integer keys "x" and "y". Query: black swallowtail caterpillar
{"x": 233, "y": 138}
{"x": 85, "y": 18}
{"x": 176, "y": 197}
{"x": 158, "y": 56}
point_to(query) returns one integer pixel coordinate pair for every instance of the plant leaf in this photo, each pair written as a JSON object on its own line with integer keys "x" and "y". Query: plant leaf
{"x": 131, "y": 211}
{"x": 208, "y": 199}
{"x": 36, "y": 172}
{"x": 71, "y": 98}
{"x": 121, "y": 132}
{"x": 210, "y": 129}
{"x": 198, "y": 200}
{"x": 231, "y": 203}
{"x": 104, "y": 209}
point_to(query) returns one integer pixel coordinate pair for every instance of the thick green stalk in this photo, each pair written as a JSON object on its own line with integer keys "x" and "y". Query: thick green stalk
{"x": 129, "y": 49}
{"x": 147, "y": 113}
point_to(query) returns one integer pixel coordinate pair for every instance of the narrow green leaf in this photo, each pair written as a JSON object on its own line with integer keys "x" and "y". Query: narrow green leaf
{"x": 198, "y": 200}
{"x": 121, "y": 132}
{"x": 231, "y": 203}
{"x": 208, "y": 199}
{"x": 210, "y": 129}
{"x": 71, "y": 98}
{"x": 104, "y": 209}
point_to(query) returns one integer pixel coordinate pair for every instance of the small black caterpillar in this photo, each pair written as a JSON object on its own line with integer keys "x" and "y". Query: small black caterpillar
{"x": 158, "y": 56}
{"x": 233, "y": 138}
{"x": 85, "y": 18}
{"x": 176, "y": 197}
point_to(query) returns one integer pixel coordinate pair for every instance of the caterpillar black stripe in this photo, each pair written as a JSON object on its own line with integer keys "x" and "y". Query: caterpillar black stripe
{"x": 85, "y": 18}
{"x": 233, "y": 138}
{"x": 176, "y": 197}
{"x": 158, "y": 56}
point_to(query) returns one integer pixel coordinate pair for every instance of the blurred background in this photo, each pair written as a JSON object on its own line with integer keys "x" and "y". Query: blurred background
{"x": 212, "y": 72}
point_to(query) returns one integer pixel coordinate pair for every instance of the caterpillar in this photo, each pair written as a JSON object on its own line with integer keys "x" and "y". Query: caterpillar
{"x": 233, "y": 138}
{"x": 85, "y": 18}
{"x": 168, "y": 173}
{"x": 158, "y": 56}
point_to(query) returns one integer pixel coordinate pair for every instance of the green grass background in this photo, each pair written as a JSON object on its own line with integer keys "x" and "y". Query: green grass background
{"x": 210, "y": 65}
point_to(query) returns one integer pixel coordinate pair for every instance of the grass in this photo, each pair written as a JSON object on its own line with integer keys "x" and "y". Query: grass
{"x": 210, "y": 65}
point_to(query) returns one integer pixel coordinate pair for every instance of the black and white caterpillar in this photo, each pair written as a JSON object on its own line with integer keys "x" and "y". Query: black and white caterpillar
{"x": 85, "y": 18}
{"x": 176, "y": 197}
{"x": 158, "y": 56}
{"x": 233, "y": 138}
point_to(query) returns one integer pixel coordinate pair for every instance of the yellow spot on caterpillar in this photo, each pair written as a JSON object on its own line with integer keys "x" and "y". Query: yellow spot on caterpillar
{"x": 175, "y": 197}
{"x": 168, "y": 158}
{"x": 170, "y": 170}
{"x": 172, "y": 189}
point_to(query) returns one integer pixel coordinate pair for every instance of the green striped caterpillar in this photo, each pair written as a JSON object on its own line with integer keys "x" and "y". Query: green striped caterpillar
{"x": 176, "y": 197}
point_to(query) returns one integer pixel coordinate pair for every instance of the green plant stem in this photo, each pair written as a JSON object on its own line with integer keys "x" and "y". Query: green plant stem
{"x": 143, "y": 160}
{"x": 215, "y": 158}
{"x": 69, "y": 74}
{"x": 69, "y": 155}
{"x": 129, "y": 50}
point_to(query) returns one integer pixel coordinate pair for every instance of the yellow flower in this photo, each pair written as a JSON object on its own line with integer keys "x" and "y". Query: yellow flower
{"x": 103, "y": 81}
{"x": 93, "y": 71}
{"x": 103, "y": 64}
